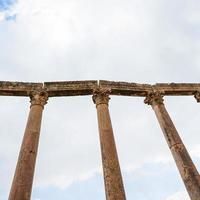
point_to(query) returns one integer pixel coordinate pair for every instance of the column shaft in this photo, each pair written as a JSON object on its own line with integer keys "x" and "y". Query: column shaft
{"x": 185, "y": 165}
{"x": 24, "y": 173}
{"x": 111, "y": 168}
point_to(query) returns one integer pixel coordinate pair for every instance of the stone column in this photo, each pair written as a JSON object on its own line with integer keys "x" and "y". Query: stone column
{"x": 186, "y": 167}
{"x": 24, "y": 173}
{"x": 112, "y": 174}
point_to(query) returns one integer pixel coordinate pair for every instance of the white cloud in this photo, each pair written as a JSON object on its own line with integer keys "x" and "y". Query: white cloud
{"x": 137, "y": 35}
{"x": 136, "y": 41}
{"x": 1, "y": 16}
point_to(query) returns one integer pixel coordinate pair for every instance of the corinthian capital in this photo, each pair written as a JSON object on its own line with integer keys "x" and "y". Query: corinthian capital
{"x": 38, "y": 98}
{"x": 101, "y": 96}
{"x": 197, "y": 96}
{"x": 154, "y": 98}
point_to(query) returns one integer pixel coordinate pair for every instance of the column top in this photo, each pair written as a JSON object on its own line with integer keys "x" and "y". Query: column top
{"x": 154, "y": 98}
{"x": 38, "y": 97}
{"x": 101, "y": 96}
{"x": 197, "y": 96}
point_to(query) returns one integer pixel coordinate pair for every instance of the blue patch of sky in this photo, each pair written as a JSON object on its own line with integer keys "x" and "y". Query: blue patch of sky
{"x": 151, "y": 182}
{"x": 85, "y": 190}
{"x": 6, "y": 4}
{"x": 10, "y": 17}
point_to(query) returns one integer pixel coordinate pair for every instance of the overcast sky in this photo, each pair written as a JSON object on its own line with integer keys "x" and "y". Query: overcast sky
{"x": 123, "y": 40}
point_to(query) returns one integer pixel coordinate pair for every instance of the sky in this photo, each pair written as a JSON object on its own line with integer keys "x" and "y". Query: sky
{"x": 138, "y": 41}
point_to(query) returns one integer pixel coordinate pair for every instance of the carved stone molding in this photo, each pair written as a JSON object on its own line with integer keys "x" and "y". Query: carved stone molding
{"x": 154, "y": 98}
{"x": 101, "y": 96}
{"x": 39, "y": 98}
{"x": 197, "y": 96}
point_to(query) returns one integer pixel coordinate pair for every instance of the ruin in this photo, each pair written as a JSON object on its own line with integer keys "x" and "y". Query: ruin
{"x": 101, "y": 91}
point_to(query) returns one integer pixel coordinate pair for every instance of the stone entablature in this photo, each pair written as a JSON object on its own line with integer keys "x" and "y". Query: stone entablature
{"x": 76, "y": 88}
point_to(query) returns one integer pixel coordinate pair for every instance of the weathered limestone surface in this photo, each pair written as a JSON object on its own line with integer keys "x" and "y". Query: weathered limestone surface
{"x": 75, "y": 88}
{"x": 8, "y": 88}
{"x": 183, "y": 161}
{"x": 135, "y": 89}
{"x": 70, "y": 88}
{"x": 125, "y": 89}
{"x": 24, "y": 173}
{"x": 112, "y": 173}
